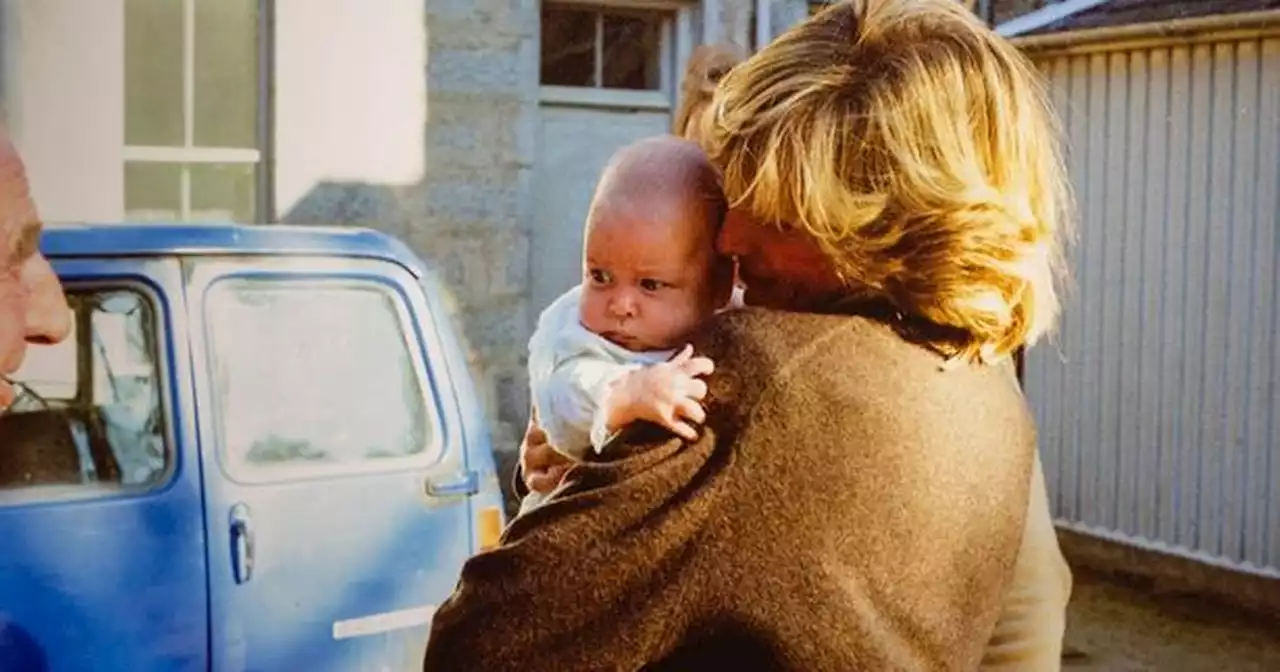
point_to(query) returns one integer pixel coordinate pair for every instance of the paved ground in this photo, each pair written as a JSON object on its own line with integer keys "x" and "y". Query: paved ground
{"x": 1117, "y": 627}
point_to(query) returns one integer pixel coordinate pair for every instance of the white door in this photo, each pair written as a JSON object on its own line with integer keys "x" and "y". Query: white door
{"x": 576, "y": 144}
{"x": 606, "y": 81}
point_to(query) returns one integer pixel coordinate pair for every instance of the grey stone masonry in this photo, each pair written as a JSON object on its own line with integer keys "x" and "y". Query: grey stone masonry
{"x": 471, "y": 216}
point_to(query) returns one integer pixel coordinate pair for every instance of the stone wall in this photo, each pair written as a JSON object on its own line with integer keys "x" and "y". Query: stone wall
{"x": 472, "y": 214}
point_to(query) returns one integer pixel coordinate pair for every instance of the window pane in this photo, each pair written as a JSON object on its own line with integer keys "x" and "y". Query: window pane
{"x": 153, "y": 72}
{"x": 226, "y": 73}
{"x": 153, "y": 191}
{"x": 313, "y": 373}
{"x": 126, "y": 388}
{"x": 632, "y": 51}
{"x": 223, "y": 192}
{"x": 101, "y": 421}
{"x": 568, "y": 46}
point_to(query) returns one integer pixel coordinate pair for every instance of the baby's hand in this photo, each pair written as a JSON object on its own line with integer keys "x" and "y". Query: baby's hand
{"x": 667, "y": 394}
{"x": 540, "y": 464}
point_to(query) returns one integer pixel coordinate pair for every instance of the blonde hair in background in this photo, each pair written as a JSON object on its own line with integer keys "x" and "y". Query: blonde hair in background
{"x": 920, "y": 151}
{"x": 707, "y": 65}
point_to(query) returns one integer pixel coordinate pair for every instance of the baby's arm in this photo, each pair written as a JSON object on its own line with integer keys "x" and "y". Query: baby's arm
{"x": 573, "y": 395}
{"x": 591, "y": 398}
{"x": 667, "y": 394}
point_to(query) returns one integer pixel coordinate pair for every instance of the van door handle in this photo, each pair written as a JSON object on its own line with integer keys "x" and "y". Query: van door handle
{"x": 458, "y": 484}
{"x": 241, "y": 543}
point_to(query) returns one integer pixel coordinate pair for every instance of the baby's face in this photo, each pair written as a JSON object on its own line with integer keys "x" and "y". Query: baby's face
{"x": 651, "y": 274}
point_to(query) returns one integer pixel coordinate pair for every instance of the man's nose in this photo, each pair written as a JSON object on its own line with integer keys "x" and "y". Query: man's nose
{"x": 48, "y": 317}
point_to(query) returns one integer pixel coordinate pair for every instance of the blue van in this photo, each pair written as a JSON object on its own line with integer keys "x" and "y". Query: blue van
{"x": 259, "y": 449}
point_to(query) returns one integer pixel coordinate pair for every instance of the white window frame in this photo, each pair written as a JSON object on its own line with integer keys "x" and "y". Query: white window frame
{"x": 674, "y": 47}
{"x": 190, "y": 153}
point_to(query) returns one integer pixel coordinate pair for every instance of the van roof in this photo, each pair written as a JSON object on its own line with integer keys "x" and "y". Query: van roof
{"x": 163, "y": 239}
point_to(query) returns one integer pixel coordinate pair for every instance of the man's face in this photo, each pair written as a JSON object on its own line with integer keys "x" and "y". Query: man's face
{"x": 33, "y": 308}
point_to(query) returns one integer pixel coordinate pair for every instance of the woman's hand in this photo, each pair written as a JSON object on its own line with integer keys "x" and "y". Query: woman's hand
{"x": 669, "y": 394}
{"x": 540, "y": 465}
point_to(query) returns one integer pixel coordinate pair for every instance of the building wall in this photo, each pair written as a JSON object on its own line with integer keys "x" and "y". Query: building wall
{"x": 1157, "y": 403}
{"x": 66, "y": 105}
{"x": 418, "y": 119}
{"x": 482, "y": 73}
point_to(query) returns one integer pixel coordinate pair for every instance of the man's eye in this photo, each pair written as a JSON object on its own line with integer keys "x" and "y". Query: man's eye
{"x": 651, "y": 285}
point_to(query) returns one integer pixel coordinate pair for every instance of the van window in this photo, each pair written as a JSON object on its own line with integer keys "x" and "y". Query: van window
{"x": 315, "y": 375}
{"x": 90, "y": 414}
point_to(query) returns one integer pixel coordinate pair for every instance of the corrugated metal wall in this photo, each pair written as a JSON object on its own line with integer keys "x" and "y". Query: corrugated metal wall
{"x": 1158, "y": 405}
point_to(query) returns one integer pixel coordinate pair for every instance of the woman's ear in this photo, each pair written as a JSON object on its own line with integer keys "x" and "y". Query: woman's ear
{"x": 723, "y": 278}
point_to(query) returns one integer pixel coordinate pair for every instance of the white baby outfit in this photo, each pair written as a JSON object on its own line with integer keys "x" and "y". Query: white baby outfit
{"x": 570, "y": 370}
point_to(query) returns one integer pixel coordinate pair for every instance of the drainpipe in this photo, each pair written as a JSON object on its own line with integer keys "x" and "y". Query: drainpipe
{"x": 764, "y": 31}
{"x": 986, "y": 10}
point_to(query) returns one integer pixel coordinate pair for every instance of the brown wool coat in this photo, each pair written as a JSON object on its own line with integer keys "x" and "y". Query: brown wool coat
{"x": 849, "y": 506}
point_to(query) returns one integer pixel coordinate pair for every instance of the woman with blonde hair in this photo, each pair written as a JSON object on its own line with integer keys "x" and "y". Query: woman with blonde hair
{"x": 857, "y": 497}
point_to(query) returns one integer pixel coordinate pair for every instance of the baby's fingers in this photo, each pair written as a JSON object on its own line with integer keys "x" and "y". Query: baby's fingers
{"x": 685, "y": 431}
{"x": 691, "y": 410}
{"x": 695, "y": 388}
{"x": 698, "y": 366}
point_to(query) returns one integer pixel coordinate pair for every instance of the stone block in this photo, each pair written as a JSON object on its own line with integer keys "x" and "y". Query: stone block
{"x": 497, "y": 325}
{"x": 461, "y": 263}
{"x": 479, "y": 267}
{"x": 476, "y": 70}
{"x": 487, "y": 199}
{"x": 508, "y": 267}
{"x": 473, "y": 132}
{"x": 527, "y": 131}
{"x": 511, "y": 390}
{"x": 522, "y": 12}
{"x": 503, "y": 387}
{"x": 478, "y": 31}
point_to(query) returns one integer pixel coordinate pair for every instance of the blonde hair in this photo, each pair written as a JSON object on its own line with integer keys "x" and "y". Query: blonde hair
{"x": 921, "y": 153}
{"x": 707, "y": 65}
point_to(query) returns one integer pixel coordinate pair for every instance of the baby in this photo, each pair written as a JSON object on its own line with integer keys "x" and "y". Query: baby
{"x": 609, "y": 351}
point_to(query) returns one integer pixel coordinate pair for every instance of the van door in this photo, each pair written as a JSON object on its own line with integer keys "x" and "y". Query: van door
{"x": 102, "y": 559}
{"x": 337, "y": 483}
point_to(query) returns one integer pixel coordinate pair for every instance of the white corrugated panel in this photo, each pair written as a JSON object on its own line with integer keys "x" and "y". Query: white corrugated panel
{"x": 1157, "y": 403}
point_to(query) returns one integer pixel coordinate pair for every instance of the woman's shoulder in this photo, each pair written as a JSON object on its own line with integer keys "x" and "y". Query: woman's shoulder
{"x": 860, "y": 361}
{"x": 773, "y": 341}
{"x": 764, "y": 334}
